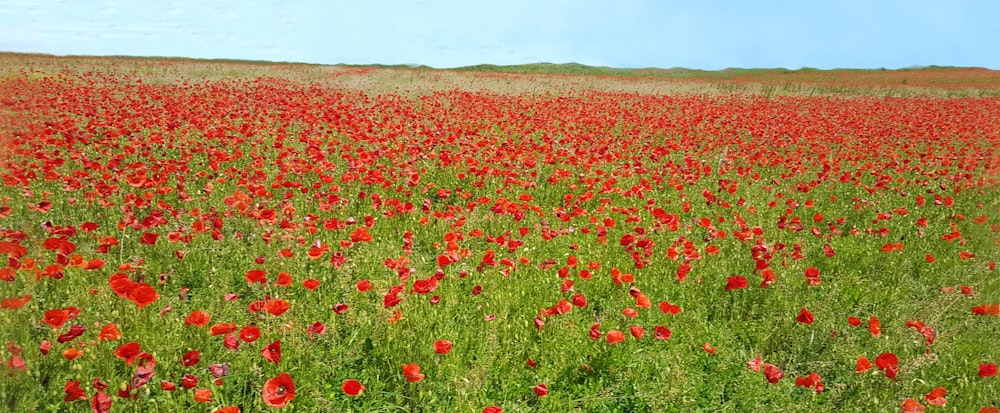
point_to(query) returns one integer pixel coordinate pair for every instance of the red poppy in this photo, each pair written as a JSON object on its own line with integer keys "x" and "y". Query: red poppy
{"x": 862, "y": 365}
{"x": 854, "y": 321}
{"x": 189, "y": 381}
{"x": 662, "y": 333}
{"x": 190, "y": 358}
{"x": 198, "y": 318}
{"x": 541, "y": 390}
{"x": 109, "y": 332}
{"x": 708, "y": 348}
{"x": 987, "y": 370}
{"x": 668, "y": 308}
{"x": 936, "y": 396}
{"x": 128, "y": 350}
{"x": 222, "y": 328}
{"x": 256, "y": 276}
{"x": 167, "y": 386}
{"x": 812, "y": 276}
{"x": 279, "y": 390}
{"x": 637, "y": 331}
{"x": 310, "y": 284}
{"x": 412, "y": 372}
{"x": 736, "y": 282}
{"x": 276, "y": 307}
{"x": 149, "y": 238}
{"x": 875, "y": 326}
{"x": 284, "y": 279}
{"x": 352, "y": 387}
{"x": 71, "y": 353}
{"x": 986, "y": 309}
{"x": 442, "y": 346}
{"x": 886, "y": 360}
{"x": 142, "y": 294}
{"x": 203, "y": 395}
{"x": 492, "y": 409}
{"x": 249, "y": 334}
{"x": 100, "y": 403}
{"x": 364, "y": 285}
{"x": 272, "y": 352}
{"x": 773, "y": 373}
{"x": 804, "y": 316}
{"x": 615, "y": 337}
{"x": 913, "y": 406}
{"x": 340, "y": 308}
{"x": 595, "y": 332}
{"x": 56, "y": 317}
{"x": 73, "y": 391}
{"x": 812, "y": 380}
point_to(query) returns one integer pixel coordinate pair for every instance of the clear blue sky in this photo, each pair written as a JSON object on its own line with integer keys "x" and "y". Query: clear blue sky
{"x": 702, "y": 34}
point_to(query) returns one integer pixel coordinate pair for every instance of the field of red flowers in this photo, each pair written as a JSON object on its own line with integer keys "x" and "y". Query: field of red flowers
{"x": 282, "y": 237}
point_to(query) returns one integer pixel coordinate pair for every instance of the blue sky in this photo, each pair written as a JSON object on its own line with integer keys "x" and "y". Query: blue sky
{"x": 703, "y": 34}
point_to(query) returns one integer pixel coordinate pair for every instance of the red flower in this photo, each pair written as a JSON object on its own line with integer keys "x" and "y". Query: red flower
{"x": 988, "y": 370}
{"x": 412, "y": 372}
{"x": 812, "y": 276}
{"x": 442, "y": 346}
{"x": 986, "y": 309}
{"x": 167, "y": 386}
{"x": 862, "y": 365}
{"x": 272, "y": 352}
{"x": 109, "y": 332}
{"x": 310, "y": 284}
{"x": 773, "y": 373}
{"x": 100, "y": 403}
{"x": 198, "y": 318}
{"x": 853, "y": 321}
{"x": 615, "y": 337}
{"x": 128, "y": 350}
{"x": 875, "y": 326}
{"x": 279, "y": 390}
{"x": 804, "y": 316}
{"x": 637, "y": 331}
{"x": 276, "y": 307}
{"x": 736, "y": 282}
{"x": 73, "y": 391}
{"x": 813, "y": 380}
{"x": 364, "y": 285}
{"x": 541, "y": 390}
{"x": 189, "y": 381}
{"x": 889, "y": 363}
{"x": 149, "y": 238}
{"x": 249, "y": 334}
{"x": 668, "y": 308}
{"x": 203, "y": 395}
{"x": 661, "y": 333}
{"x": 886, "y": 360}
{"x": 256, "y": 276}
{"x": 222, "y": 328}
{"x": 913, "y": 406}
{"x": 191, "y": 358}
{"x": 936, "y": 397}
{"x": 492, "y": 409}
{"x": 352, "y": 387}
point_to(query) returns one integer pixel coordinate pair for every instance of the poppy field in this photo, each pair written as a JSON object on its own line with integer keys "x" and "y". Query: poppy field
{"x": 183, "y": 236}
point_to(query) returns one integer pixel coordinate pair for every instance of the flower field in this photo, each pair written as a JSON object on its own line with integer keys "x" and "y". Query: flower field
{"x": 187, "y": 236}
